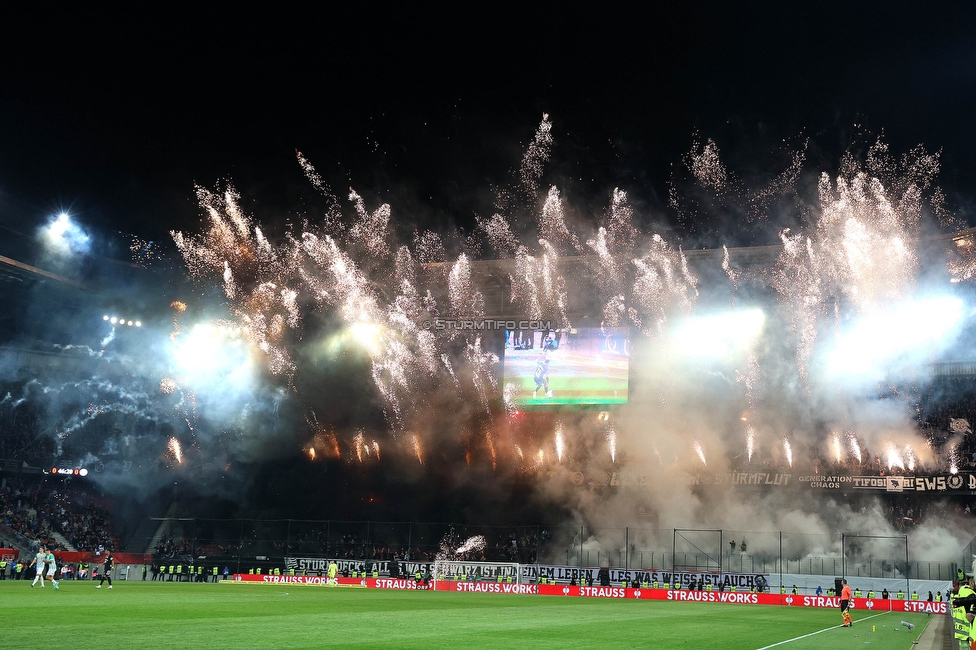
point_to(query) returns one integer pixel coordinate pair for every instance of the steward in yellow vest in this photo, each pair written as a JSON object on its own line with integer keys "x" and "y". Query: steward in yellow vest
{"x": 961, "y": 625}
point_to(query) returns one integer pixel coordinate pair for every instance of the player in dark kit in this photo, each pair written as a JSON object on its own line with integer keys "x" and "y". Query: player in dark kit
{"x": 107, "y": 572}
{"x": 541, "y": 377}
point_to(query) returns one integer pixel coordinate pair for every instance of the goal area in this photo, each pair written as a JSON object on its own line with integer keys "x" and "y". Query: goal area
{"x": 462, "y": 571}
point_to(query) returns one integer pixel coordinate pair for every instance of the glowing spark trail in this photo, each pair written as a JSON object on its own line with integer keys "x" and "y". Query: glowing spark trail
{"x": 612, "y": 443}
{"x": 894, "y": 460}
{"x": 700, "y": 452}
{"x": 855, "y": 446}
{"x": 476, "y": 543}
{"x": 789, "y": 451}
{"x": 359, "y": 441}
{"x": 910, "y": 458}
{"x": 835, "y": 443}
{"x": 750, "y": 441}
{"x": 176, "y": 450}
{"x": 560, "y": 444}
{"x": 417, "y": 450}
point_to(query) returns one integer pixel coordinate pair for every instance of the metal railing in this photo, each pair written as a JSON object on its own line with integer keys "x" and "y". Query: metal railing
{"x": 233, "y": 541}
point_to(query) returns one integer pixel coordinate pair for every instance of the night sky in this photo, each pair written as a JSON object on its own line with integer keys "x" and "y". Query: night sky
{"x": 114, "y": 115}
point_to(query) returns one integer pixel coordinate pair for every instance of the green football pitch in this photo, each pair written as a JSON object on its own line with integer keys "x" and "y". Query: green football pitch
{"x": 169, "y": 615}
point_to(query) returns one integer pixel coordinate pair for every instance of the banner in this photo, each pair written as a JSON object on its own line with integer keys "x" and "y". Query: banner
{"x": 567, "y": 574}
{"x": 405, "y": 568}
{"x": 531, "y": 573}
{"x": 944, "y": 483}
{"x": 940, "y": 483}
{"x": 685, "y": 596}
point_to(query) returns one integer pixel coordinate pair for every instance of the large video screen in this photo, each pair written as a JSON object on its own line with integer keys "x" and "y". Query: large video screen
{"x": 585, "y": 365}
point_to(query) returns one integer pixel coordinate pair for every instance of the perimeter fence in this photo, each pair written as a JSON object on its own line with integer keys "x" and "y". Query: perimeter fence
{"x": 245, "y": 543}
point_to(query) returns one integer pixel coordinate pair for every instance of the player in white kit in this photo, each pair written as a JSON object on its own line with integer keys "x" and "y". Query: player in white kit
{"x": 39, "y": 562}
{"x": 51, "y": 563}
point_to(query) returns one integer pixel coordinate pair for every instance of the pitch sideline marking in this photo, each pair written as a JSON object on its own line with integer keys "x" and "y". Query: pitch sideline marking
{"x": 826, "y": 629}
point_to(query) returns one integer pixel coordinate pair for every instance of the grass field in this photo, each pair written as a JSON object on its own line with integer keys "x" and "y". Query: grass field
{"x": 169, "y": 615}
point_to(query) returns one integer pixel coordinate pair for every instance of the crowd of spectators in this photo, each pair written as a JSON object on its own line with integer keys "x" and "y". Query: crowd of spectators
{"x": 527, "y": 545}
{"x": 172, "y": 548}
{"x": 33, "y": 508}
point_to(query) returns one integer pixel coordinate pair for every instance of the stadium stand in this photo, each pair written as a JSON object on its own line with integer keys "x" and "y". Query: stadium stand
{"x": 35, "y": 511}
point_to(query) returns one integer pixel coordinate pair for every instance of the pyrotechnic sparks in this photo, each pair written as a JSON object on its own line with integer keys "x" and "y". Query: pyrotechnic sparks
{"x": 381, "y": 285}
{"x": 894, "y": 459}
{"x": 700, "y": 452}
{"x": 536, "y": 156}
{"x": 417, "y": 449}
{"x": 359, "y": 443}
{"x": 855, "y": 446}
{"x": 518, "y": 450}
{"x": 910, "y": 458}
{"x": 476, "y": 543}
{"x": 176, "y": 449}
{"x": 836, "y": 446}
{"x": 954, "y": 459}
{"x": 560, "y": 443}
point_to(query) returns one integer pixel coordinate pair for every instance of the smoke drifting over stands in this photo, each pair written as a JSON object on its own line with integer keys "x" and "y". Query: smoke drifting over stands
{"x": 283, "y": 369}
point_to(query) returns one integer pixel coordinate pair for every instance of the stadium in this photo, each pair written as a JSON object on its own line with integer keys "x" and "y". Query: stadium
{"x": 518, "y": 408}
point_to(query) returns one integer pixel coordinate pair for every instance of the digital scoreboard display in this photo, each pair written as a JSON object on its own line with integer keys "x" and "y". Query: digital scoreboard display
{"x": 584, "y": 366}
{"x": 68, "y": 471}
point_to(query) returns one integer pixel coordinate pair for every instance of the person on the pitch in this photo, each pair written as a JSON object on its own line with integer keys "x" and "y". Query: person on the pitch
{"x": 107, "y": 572}
{"x": 333, "y": 572}
{"x": 845, "y": 603}
{"x": 39, "y": 564}
{"x": 541, "y": 377}
{"x": 51, "y": 566}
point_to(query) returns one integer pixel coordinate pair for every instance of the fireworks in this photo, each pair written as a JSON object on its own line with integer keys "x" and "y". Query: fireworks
{"x": 699, "y": 452}
{"x": 536, "y": 155}
{"x": 359, "y": 444}
{"x": 893, "y": 457}
{"x": 380, "y": 285}
{"x": 560, "y": 443}
{"x": 476, "y": 543}
{"x": 855, "y": 446}
{"x": 176, "y": 450}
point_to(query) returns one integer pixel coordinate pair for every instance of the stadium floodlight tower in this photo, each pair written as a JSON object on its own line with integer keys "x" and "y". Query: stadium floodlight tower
{"x": 506, "y": 573}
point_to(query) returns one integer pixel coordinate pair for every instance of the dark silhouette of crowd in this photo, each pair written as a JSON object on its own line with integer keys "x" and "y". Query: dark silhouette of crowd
{"x": 522, "y": 545}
